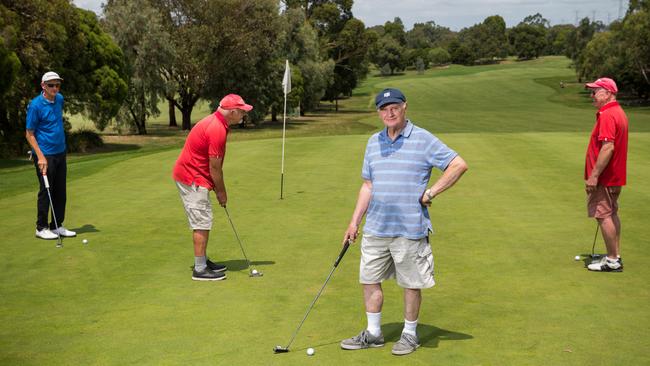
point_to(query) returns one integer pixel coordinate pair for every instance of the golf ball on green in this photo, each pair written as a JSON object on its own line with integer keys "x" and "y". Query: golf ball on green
{"x": 577, "y": 257}
{"x": 85, "y": 241}
{"x": 310, "y": 351}
{"x": 254, "y": 271}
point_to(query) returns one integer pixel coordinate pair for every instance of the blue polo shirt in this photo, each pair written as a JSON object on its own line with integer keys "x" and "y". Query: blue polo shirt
{"x": 45, "y": 118}
{"x": 399, "y": 171}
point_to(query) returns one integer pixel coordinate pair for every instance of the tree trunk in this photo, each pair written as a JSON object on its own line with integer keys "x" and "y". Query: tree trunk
{"x": 172, "y": 113}
{"x": 274, "y": 115}
{"x": 337, "y": 104}
{"x": 187, "y": 117}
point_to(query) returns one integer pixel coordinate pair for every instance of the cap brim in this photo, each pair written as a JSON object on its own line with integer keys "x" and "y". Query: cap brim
{"x": 592, "y": 85}
{"x": 389, "y": 101}
{"x": 246, "y": 107}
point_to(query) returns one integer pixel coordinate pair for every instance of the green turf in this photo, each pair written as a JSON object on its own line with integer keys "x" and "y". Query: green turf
{"x": 508, "y": 292}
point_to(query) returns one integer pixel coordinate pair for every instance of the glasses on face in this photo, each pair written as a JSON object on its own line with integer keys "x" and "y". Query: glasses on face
{"x": 57, "y": 85}
{"x": 391, "y": 109}
{"x": 595, "y": 91}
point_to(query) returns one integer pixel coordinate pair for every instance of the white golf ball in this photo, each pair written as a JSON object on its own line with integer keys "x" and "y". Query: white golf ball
{"x": 85, "y": 241}
{"x": 310, "y": 351}
{"x": 577, "y": 257}
{"x": 254, "y": 271}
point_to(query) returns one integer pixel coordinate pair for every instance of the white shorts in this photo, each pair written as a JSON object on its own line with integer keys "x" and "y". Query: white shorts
{"x": 198, "y": 208}
{"x": 409, "y": 261}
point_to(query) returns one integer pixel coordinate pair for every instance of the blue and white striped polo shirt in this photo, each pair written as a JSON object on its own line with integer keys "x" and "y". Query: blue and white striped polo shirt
{"x": 399, "y": 171}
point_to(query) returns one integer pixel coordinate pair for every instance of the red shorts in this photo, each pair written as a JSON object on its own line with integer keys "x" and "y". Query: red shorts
{"x": 603, "y": 202}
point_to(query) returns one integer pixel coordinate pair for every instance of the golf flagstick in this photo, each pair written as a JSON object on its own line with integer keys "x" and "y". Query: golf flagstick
{"x": 46, "y": 182}
{"x": 280, "y": 349}
{"x": 286, "y": 88}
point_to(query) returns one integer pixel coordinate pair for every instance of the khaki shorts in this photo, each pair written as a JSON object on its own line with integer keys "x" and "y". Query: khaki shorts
{"x": 603, "y": 202}
{"x": 409, "y": 261}
{"x": 198, "y": 208}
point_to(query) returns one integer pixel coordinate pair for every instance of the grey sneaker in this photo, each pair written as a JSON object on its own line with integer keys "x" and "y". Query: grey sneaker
{"x": 407, "y": 343}
{"x": 363, "y": 340}
{"x": 607, "y": 265}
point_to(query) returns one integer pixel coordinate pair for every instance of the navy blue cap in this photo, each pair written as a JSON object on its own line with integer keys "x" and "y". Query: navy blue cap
{"x": 388, "y": 96}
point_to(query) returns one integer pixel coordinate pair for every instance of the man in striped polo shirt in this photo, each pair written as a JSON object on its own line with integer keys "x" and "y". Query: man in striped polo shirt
{"x": 394, "y": 195}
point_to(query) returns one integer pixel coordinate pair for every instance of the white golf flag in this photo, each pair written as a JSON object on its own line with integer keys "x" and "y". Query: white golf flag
{"x": 286, "y": 80}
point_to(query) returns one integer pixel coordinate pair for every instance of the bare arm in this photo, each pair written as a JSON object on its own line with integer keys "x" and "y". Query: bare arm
{"x": 365, "y": 193}
{"x": 42, "y": 162}
{"x": 216, "y": 173}
{"x": 604, "y": 156}
{"x": 452, "y": 174}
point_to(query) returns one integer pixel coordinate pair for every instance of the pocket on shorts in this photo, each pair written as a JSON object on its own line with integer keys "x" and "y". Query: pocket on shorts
{"x": 425, "y": 255}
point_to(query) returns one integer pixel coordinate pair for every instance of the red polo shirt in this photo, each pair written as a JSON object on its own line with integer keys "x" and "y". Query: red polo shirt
{"x": 206, "y": 140}
{"x": 611, "y": 125}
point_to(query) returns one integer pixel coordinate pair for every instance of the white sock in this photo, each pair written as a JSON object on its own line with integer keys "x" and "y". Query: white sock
{"x": 410, "y": 327}
{"x": 374, "y": 323}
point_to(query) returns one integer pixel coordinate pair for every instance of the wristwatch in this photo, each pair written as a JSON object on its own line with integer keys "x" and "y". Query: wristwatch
{"x": 429, "y": 195}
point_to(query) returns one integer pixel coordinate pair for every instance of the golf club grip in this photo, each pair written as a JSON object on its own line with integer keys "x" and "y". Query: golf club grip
{"x": 345, "y": 249}
{"x": 45, "y": 181}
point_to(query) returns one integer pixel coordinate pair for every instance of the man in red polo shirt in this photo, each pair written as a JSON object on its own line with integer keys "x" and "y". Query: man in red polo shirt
{"x": 198, "y": 170}
{"x": 605, "y": 170}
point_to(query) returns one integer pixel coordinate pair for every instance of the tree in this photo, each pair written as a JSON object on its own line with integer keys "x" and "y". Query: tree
{"x": 439, "y": 56}
{"x": 395, "y": 29}
{"x": 54, "y": 35}
{"x": 578, "y": 39}
{"x": 137, "y": 28}
{"x": 343, "y": 39}
{"x": 557, "y": 39}
{"x": 303, "y": 50}
{"x": 388, "y": 51}
{"x": 528, "y": 41}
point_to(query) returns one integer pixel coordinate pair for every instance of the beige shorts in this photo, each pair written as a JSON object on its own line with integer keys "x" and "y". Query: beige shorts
{"x": 603, "y": 202}
{"x": 409, "y": 261}
{"x": 198, "y": 208}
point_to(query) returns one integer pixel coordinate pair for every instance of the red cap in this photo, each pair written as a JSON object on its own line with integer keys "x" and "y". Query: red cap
{"x": 605, "y": 83}
{"x": 234, "y": 101}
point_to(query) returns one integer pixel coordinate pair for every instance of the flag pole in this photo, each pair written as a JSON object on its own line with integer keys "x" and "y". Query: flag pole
{"x": 286, "y": 87}
{"x": 284, "y": 126}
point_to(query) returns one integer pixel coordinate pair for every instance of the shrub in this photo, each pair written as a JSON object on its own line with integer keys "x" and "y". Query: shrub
{"x": 83, "y": 141}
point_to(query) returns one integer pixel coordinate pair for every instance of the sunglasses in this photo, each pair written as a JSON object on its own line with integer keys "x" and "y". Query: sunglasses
{"x": 57, "y": 85}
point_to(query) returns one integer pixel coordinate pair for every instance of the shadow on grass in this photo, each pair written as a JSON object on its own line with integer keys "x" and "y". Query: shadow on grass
{"x": 87, "y": 228}
{"x": 240, "y": 264}
{"x": 429, "y": 335}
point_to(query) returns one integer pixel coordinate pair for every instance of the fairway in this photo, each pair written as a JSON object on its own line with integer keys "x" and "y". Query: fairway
{"x": 508, "y": 289}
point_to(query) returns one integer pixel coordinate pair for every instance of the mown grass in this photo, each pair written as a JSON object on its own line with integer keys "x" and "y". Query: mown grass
{"x": 508, "y": 290}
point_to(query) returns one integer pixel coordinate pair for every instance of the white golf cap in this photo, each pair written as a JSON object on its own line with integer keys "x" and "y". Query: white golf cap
{"x": 50, "y": 75}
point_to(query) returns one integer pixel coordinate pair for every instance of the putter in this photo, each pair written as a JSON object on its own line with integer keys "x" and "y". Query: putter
{"x": 59, "y": 243}
{"x": 280, "y": 349}
{"x": 251, "y": 271}
{"x": 593, "y": 246}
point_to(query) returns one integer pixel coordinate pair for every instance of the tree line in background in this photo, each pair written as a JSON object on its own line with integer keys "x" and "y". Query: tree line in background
{"x": 118, "y": 67}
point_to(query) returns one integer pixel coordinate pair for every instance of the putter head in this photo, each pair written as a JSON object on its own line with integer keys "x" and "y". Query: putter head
{"x": 280, "y": 349}
{"x": 255, "y": 273}
{"x": 59, "y": 245}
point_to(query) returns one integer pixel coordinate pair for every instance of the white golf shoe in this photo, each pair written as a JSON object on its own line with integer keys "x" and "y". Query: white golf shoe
{"x": 64, "y": 232}
{"x": 46, "y": 234}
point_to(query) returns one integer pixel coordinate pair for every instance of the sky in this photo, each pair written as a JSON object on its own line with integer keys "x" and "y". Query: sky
{"x": 458, "y": 14}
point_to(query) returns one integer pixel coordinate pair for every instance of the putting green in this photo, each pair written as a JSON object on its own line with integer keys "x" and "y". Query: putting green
{"x": 508, "y": 289}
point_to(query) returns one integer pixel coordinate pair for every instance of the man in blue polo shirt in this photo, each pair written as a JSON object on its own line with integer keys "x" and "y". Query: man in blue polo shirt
{"x": 46, "y": 137}
{"x": 394, "y": 195}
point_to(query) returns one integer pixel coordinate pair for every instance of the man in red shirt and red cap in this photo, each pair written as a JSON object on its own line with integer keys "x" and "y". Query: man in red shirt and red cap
{"x": 605, "y": 170}
{"x": 198, "y": 170}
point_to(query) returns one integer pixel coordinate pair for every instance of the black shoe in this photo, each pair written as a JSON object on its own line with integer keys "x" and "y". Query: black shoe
{"x": 215, "y": 267}
{"x": 207, "y": 275}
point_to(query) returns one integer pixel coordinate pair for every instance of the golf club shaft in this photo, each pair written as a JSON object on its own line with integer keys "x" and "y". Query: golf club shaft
{"x": 46, "y": 182}
{"x": 336, "y": 263}
{"x": 237, "y": 236}
{"x": 593, "y": 246}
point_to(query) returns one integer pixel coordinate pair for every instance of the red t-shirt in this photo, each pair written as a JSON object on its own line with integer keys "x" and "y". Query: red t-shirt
{"x": 206, "y": 140}
{"x": 611, "y": 125}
